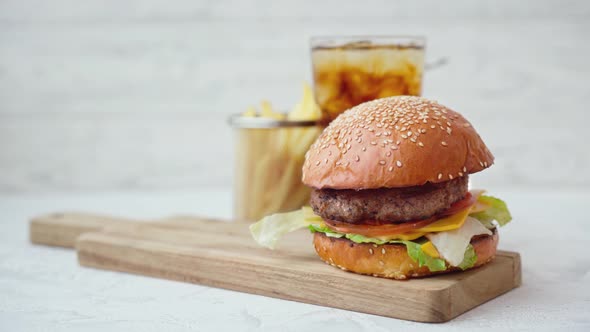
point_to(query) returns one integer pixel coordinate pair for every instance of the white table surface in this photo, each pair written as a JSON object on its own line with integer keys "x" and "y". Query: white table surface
{"x": 43, "y": 288}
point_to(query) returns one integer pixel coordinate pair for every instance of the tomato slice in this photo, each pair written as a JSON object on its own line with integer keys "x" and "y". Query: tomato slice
{"x": 392, "y": 229}
{"x": 458, "y": 206}
{"x": 378, "y": 230}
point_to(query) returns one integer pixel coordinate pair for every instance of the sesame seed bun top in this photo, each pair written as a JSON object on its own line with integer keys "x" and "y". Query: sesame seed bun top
{"x": 394, "y": 142}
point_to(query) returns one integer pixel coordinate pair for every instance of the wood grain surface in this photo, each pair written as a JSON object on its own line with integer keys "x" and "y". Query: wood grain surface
{"x": 223, "y": 255}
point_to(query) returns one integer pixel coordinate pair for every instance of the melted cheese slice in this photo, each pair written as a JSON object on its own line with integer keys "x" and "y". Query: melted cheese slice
{"x": 456, "y": 220}
{"x": 448, "y": 223}
{"x": 430, "y": 249}
{"x": 406, "y": 236}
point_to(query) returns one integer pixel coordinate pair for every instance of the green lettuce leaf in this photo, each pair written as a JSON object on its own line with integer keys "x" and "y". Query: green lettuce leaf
{"x": 469, "y": 259}
{"x": 497, "y": 211}
{"x": 323, "y": 229}
{"x": 270, "y": 229}
{"x": 357, "y": 238}
{"x": 415, "y": 252}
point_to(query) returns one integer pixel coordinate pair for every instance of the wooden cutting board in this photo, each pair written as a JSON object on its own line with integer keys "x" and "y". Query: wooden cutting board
{"x": 222, "y": 254}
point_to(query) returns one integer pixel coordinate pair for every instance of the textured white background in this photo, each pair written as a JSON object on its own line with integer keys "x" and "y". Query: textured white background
{"x": 107, "y": 95}
{"x": 129, "y": 97}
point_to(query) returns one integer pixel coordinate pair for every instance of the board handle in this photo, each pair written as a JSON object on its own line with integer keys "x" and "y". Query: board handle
{"x": 62, "y": 229}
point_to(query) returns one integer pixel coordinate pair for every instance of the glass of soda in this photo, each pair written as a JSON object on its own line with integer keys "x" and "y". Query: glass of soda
{"x": 348, "y": 71}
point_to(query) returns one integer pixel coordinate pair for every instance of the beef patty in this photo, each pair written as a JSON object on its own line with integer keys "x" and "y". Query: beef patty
{"x": 387, "y": 205}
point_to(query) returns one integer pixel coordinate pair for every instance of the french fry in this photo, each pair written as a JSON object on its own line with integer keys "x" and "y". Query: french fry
{"x": 259, "y": 188}
{"x": 267, "y": 112}
{"x": 300, "y": 197}
{"x": 283, "y": 187}
{"x": 250, "y": 112}
{"x": 306, "y": 109}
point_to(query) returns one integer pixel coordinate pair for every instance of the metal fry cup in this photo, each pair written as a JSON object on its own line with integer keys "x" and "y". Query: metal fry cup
{"x": 269, "y": 156}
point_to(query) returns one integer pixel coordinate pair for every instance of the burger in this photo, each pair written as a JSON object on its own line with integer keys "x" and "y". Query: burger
{"x": 390, "y": 193}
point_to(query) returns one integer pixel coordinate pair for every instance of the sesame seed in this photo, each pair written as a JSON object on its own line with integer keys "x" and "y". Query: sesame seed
{"x": 398, "y": 163}
{"x": 390, "y": 168}
{"x": 326, "y": 160}
{"x": 388, "y": 153}
{"x": 420, "y": 144}
{"x": 393, "y": 147}
{"x": 381, "y": 162}
{"x": 481, "y": 164}
{"x": 451, "y": 176}
{"x": 404, "y": 136}
{"x": 383, "y": 251}
{"x": 460, "y": 173}
{"x": 409, "y": 133}
{"x": 317, "y": 163}
{"x": 357, "y": 158}
{"x": 432, "y": 126}
{"x": 464, "y": 169}
{"x": 439, "y": 176}
{"x": 485, "y": 163}
{"x": 381, "y": 263}
{"x": 443, "y": 143}
{"x": 371, "y": 251}
{"x": 364, "y": 149}
{"x": 373, "y": 143}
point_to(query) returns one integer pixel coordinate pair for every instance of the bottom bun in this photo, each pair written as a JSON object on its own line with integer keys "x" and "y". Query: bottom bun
{"x": 389, "y": 260}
